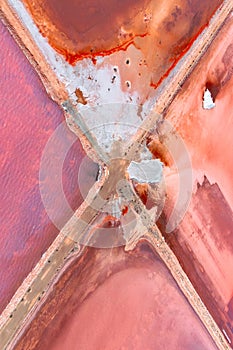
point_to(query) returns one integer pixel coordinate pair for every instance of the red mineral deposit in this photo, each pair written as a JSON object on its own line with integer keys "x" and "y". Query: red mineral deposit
{"x": 162, "y": 31}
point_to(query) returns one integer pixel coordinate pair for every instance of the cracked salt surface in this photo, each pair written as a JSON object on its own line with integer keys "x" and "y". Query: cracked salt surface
{"x": 147, "y": 171}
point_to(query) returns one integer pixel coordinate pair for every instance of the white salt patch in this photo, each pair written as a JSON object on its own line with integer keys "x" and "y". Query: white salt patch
{"x": 147, "y": 171}
{"x": 208, "y": 102}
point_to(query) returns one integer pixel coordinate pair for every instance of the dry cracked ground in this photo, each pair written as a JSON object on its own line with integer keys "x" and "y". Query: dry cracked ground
{"x": 116, "y": 175}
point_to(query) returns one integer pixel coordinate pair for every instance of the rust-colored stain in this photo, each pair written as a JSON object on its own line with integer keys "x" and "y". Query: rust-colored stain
{"x": 162, "y": 32}
{"x": 142, "y": 191}
{"x": 113, "y": 299}
{"x": 80, "y": 29}
{"x": 80, "y": 98}
{"x": 28, "y": 119}
{"x": 159, "y": 150}
{"x": 124, "y": 210}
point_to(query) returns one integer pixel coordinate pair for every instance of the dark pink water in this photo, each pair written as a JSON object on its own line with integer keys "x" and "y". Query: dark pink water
{"x": 27, "y": 120}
